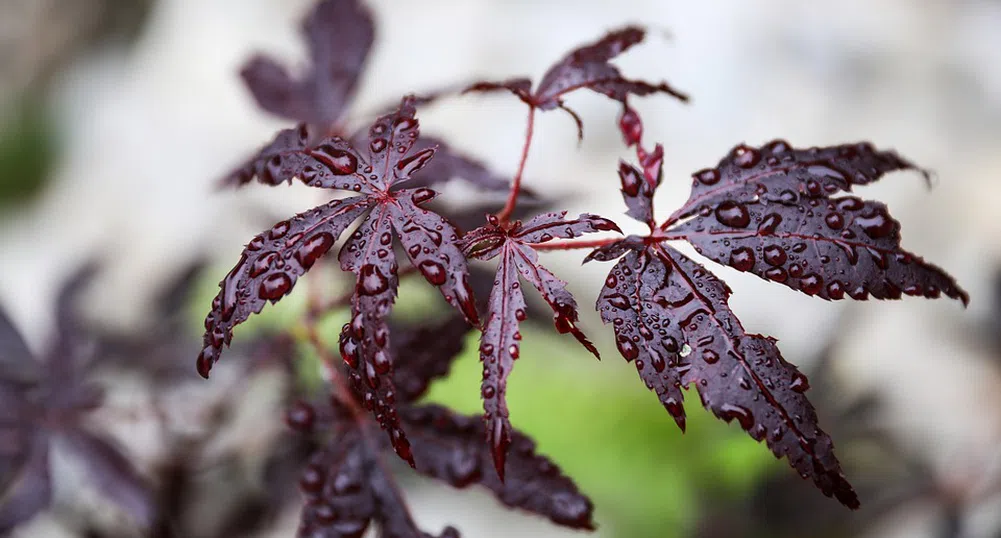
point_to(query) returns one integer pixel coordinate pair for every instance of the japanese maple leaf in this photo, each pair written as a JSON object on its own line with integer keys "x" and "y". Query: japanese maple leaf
{"x": 500, "y": 341}
{"x": 339, "y": 35}
{"x": 771, "y": 211}
{"x": 347, "y": 488}
{"x": 585, "y": 67}
{"x": 274, "y": 260}
{"x": 48, "y": 400}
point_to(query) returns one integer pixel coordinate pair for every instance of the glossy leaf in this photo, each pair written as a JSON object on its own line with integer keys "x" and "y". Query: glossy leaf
{"x": 339, "y": 34}
{"x": 831, "y": 248}
{"x": 769, "y": 211}
{"x": 500, "y": 341}
{"x": 273, "y": 262}
{"x": 585, "y": 67}
{"x": 449, "y": 447}
{"x": 672, "y": 320}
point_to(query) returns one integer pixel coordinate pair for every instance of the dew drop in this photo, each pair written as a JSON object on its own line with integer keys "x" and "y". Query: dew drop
{"x": 630, "y": 180}
{"x": 769, "y": 224}
{"x": 488, "y": 392}
{"x": 414, "y": 250}
{"x": 275, "y": 286}
{"x": 835, "y": 290}
{"x": 850, "y": 203}
{"x": 627, "y": 348}
{"x": 730, "y": 213}
{"x": 279, "y": 230}
{"x": 313, "y": 248}
{"x": 422, "y": 195}
{"x": 513, "y": 351}
{"x": 775, "y": 255}
{"x": 746, "y": 157}
{"x": 710, "y": 356}
{"x": 434, "y": 272}
{"x": 742, "y": 259}
{"x": 743, "y": 415}
{"x": 372, "y": 281}
{"x": 618, "y": 301}
{"x": 834, "y": 221}
{"x": 876, "y": 223}
{"x": 377, "y": 145}
{"x": 777, "y": 274}
{"x": 799, "y": 383}
{"x": 709, "y": 176}
{"x": 611, "y": 281}
{"x": 338, "y": 161}
{"x": 811, "y": 284}
{"x": 520, "y": 314}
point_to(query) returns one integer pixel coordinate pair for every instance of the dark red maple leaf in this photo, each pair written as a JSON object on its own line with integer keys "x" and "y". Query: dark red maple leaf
{"x": 274, "y": 260}
{"x": 347, "y": 488}
{"x": 769, "y": 211}
{"x": 584, "y": 67}
{"x": 339, "y": 34}
{"x": 500, "y": 340}
{"x": 48, "y": 400}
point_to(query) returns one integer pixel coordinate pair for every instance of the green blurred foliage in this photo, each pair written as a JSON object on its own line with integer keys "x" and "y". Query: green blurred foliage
{"x": 27, "y": 151}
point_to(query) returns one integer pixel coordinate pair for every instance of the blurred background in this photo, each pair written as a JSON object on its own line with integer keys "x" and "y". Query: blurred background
{"x": 117, "y": 117}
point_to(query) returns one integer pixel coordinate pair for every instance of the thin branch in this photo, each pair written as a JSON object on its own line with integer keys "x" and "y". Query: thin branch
{"x": 512, "y": 198}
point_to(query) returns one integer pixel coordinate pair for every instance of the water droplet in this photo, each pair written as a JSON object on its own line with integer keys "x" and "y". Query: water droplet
{"x": 414, "y": 250}
{"x": 520, "y": 314}
{"x": 796, "y": 270}
{"x": 811, "y": 284}
{"x": 778, "y": 146}
{"x": 371, "y": 280}
{"x": 627, "y": 348}
{"x": 487, "y": 349}
{"x": 744, "y": 383}
{"x": 743, "y": 415}
{"x": 275, "y": 286}
{"x": 813, "y": 188}
{"x": 876, "y": 223}
{"x": 422, "y": 195}
{"x": 769, "y": 224}
{"x": 710, "y": 356}
{"x": 850, "y": 203}
{"x": 262, "y": 264}
{"x": 630, "y": 180}
{"x": 879, "y": 258}
{"x": 381, "y": 362}
{"x": 799, "y": 248}
{"x": 777, "y": 274}
{"x": 338, "y": 161}
{"x": 619, "y": 301}
{"x": 799, "y": 383}
{"x": 256, "y": 243}
{"x": 709, "y": 176}
{"x": 730, "y": 213}
{"x": 371, "y": 377}
{"x": 746, "y": 157}
{"x": 488, "y": 392}
{"x": 313, "y": 248}
{"x": 434, "y": 272}
{"x": 513, "y": 351}
{"x": 611, "y": 281}
{"x": 401, "y": 125}
{"x": 788, "y": 197}
{"x": 834, "y": 221}
{"x": 279, "y": 230}
{"x": 377, "y": 145}
{"x": 835, "y": 290}
{"x": 775, "y": 255}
